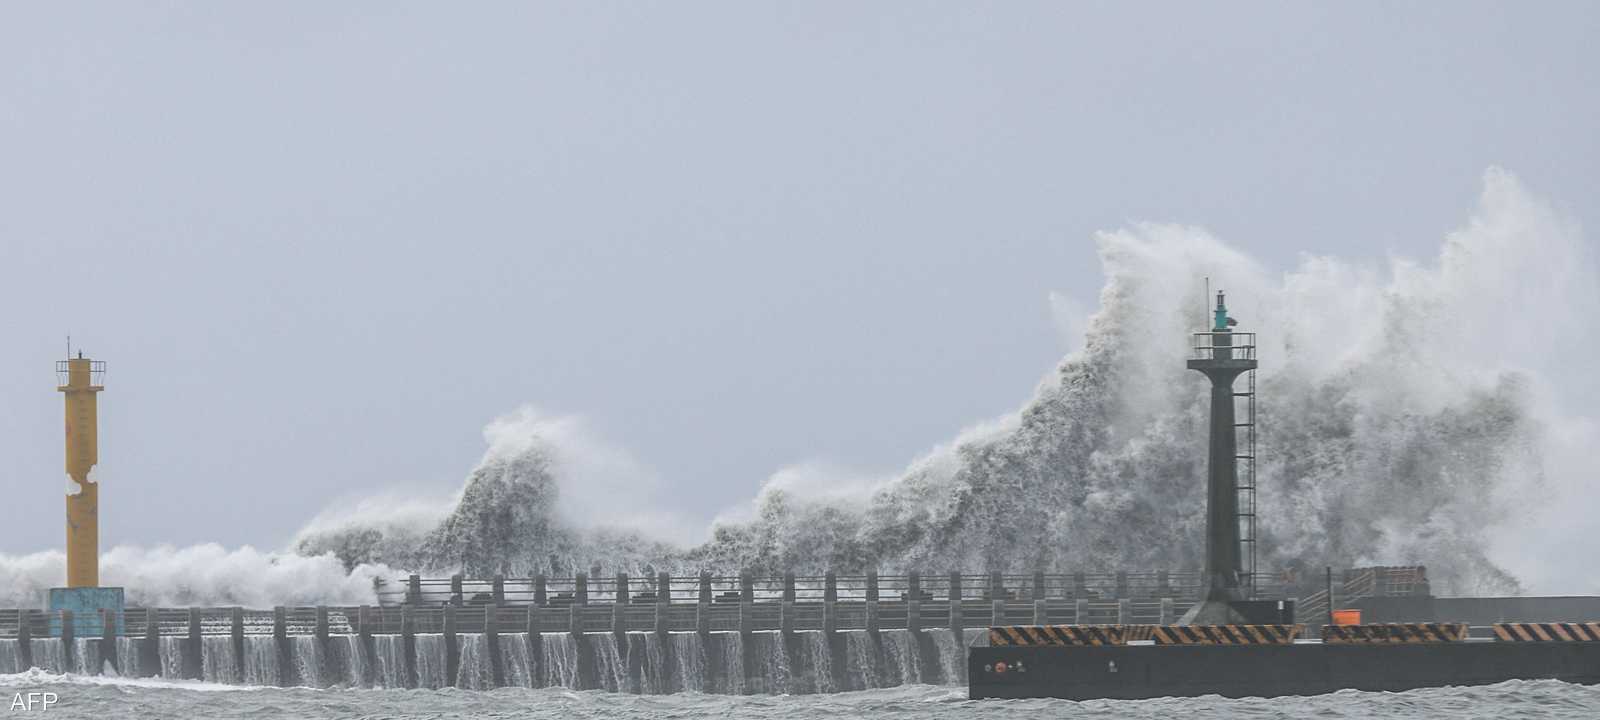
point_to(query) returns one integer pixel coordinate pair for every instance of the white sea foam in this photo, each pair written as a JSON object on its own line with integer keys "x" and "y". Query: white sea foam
{"x": 198, "y": 575}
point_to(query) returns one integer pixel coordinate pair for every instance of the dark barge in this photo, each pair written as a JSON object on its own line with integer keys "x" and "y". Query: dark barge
{"x": 1300, "y": 668}
{"x": 1231, "y": 645}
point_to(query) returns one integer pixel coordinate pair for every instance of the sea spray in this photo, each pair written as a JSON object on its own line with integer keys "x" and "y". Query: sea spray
{"x": 1410, "y": 415}
{"x": 902, "y": 657}
{"x": 309, "y": 662}
{"x": 86, "y": 659}
{"x": 347, "y": 660}
{"x": 610, "y": 670}
{"x": 515, "y": 664}
{"x": 205, "y": 575}
{"x": 817, "y": 650}
{"x": 430, "y": 660}
{"x": 690, "y": 656}
{"x": 128, "y": 657}
{"x": 261, "y": 661}
{"x": 389, "y": 663}
{"x": 560, "y": 663}
{"x": 169, "y": 650}
{"x": 1396, "y": 420}
{"x": 48, "y": 654}
{"x": 217, "y": 661}
{"x": 10, "y": 656}
{"x": 474, "y": 669}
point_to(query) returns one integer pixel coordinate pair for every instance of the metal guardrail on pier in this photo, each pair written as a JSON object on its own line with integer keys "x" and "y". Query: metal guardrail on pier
{"x": 745, "y": 603}
{"x": 583, "y": 589}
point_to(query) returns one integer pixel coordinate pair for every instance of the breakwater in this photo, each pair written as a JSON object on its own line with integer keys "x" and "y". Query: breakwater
{"x": 738, "y": 635}
{"x": 727, "y": 662}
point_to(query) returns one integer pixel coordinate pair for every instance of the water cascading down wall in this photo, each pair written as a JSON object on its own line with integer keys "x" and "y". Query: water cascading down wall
{"x": 512, "y": 648}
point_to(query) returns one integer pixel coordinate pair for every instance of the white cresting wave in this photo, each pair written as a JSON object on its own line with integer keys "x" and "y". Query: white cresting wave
{"x": 1413, "y": 412}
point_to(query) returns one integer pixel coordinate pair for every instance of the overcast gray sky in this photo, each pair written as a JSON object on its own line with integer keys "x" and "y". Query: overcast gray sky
{"x": 320, "y": 245}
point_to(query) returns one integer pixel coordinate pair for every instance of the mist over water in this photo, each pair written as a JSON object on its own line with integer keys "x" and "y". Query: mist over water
{"x": 1412, "y": 412}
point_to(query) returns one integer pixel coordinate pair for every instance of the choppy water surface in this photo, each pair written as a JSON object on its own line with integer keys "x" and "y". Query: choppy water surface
{"x": 98, "y": 698}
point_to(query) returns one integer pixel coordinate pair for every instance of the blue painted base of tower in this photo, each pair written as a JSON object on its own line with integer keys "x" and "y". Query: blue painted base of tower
{"x": 86, "y": 604}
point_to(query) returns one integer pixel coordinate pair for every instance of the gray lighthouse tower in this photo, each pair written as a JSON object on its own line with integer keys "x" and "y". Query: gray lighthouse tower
{"x": 1223, "y": 355}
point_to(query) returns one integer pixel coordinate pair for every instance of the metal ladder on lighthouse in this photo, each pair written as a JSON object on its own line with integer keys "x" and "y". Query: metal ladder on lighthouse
{"x": 1246, "y": 459}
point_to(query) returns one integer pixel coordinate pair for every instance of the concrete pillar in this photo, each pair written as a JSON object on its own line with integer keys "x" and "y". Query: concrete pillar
{"x": 1124, "y": 611}
{"x": 452, "y": 646}
{"x": 364, "y": 639}
{"x": 192, "y": 668}
{"x": 322, "y": 627}
{"x": 1080, "y": 585}
{"x": 619, "y": 625}
{"x": 705, "y": 586}
{"x": 69, "y": 648}
{"x": 535, "y": 645}
{"x": 1038, "y": 586}
{"x": 150, "y": 649}
{"x": 539, "y": 588}
{"x": 788, "y": 587}
{"x": 663, "y": 588}
{"x": 997, "y": 613}
{"x": 748, "y": 661}
{"x": 997, "y": 587}
{"x": 320, "y": 633}
{"x": 408, "y": 644}
{"x": 414, "y": 590}
{"x": 580, "y": 589}
{"x": 786, "y": 617}
{"x": 1080, "y": 612}
{"x": 663, "y": 618}
{"x": 830, "y": 608}
{"x": 622, "y": 590}
{"x": 1167, "y": 611}
{"x": 280, "y": 643}
{"x": 499, "y": 590}
{"x": 873, "y": 623}
{"x": 1163, "y": 583}
{"x": 1041, "y": 613}
{"x": 1122, "y": 584}
{"x": 491, "y": 639}
{"x": 914, "y": 614}
{"x": 25, "y": 638}
{"x": 108, "y": 640}
{"x": 455, "y": 590}
{"x": 957, "y": 621}
{"x": 702, "y": 619}
{"x": 575, "y": 620}
{"x": 236, "y": 630}
{"x": 914, "y": 585}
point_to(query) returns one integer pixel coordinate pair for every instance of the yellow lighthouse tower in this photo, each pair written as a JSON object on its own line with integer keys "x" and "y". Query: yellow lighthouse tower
{"x": 83, "y": 452}
{"x": 79, "y": 381}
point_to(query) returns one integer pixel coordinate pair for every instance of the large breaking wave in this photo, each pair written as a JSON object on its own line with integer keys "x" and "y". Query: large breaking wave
{"x": 1405, "y": 419}
{"x": 1411, "y": 413}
